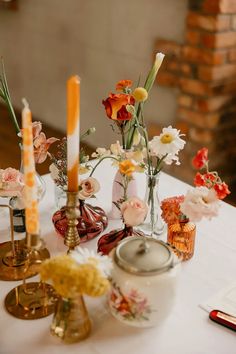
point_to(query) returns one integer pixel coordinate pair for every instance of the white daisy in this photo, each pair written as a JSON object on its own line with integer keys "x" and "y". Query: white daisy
{"x": 85, "y": 256}
{"x": 168, "y": 142}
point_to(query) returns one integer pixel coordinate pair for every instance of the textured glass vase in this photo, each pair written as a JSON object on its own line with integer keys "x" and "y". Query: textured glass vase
{"x": 153, "y": 224}
{"x": 181, "y": 236}
{"x": 110, "y": 240}
{"x": 91, "y": 222}
{"x": 71, "y": 322}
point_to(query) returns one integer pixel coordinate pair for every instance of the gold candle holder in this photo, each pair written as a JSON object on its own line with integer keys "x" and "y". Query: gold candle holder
{"x": 14, "y": 255}
{"x": 72, "y": 238}
{"x": 36, "y": 299}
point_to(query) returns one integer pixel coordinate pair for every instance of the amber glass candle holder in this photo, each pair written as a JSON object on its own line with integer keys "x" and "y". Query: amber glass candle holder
{"x": 181, "y": 236}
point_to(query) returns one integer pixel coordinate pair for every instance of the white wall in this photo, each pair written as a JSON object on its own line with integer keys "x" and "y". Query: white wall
{"x": 103, "y": 41}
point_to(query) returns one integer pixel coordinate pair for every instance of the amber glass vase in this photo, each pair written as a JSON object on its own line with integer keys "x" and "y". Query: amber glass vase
{"x": 181, "y": 236}
{"x": 71, "y": 322}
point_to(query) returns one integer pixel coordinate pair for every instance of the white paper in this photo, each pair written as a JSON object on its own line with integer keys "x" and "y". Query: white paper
{"x": 224, "y": 300}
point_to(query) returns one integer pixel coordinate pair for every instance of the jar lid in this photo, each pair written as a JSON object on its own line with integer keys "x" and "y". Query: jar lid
{"x": 143, "y": 256}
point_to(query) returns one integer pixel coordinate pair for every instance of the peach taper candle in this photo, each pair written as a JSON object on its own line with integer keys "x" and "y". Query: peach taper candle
{"x": 73, "y": 118}
{"x": 31, "y": 198}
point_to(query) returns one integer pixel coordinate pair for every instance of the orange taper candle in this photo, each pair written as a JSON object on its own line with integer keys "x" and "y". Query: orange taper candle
{"x": 73, "y": 118}
{"x": 31, "y": 198}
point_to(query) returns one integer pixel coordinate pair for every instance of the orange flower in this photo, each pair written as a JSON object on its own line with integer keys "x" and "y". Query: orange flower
{"x": 127, "y": 167}
{"x": 199, "y": 180}
{"x": 123, "y": 84}
{"x": 115, "y": 106}
{"x": 201, "y": 158}
{"x": 222, "y": 190}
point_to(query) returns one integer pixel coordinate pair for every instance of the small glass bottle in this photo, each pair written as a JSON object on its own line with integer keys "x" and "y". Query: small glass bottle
{"x": 18, "y": 216}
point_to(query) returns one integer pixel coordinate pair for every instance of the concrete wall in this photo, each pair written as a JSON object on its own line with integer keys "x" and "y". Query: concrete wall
{"x": 103, "y": 41}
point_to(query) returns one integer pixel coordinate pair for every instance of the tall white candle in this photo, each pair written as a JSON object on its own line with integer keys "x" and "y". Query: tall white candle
{"x": 31, "y": 200}
{"x": 73, "y": 120}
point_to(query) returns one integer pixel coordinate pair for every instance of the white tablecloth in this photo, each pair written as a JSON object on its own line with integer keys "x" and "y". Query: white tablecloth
{"x": 187, "y": 330}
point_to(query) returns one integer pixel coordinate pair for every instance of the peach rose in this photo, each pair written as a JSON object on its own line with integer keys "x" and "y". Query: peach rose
{"x": 115, "y": 106}
{"x": 88, "y": 187}
{"x": 134, "y": 211}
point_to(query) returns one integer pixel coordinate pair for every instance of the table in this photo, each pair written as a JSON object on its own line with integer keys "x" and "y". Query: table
{"x": 187, "y": 330}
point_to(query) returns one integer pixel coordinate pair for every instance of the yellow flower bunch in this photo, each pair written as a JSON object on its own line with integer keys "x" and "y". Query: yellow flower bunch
{"x": 70, "y": 278}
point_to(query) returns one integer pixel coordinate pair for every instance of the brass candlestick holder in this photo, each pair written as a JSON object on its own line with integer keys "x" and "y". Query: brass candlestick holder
{"x": 72, "y": 238}
{"x": 36, "y": 299}
{"x": 14, "y": 255}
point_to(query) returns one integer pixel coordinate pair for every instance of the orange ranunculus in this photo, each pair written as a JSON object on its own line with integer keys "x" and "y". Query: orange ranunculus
{"x": 115, "y": 106}
{"x": 123, "y": 84}
{"x": 201, "y": 158}
{"x": 222, "y": 190}
{"x": 127, "y": 167}
{"x": 199, "y": 180}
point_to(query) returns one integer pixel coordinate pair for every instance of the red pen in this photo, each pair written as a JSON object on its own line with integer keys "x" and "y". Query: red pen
{"x": 223, "y": 318}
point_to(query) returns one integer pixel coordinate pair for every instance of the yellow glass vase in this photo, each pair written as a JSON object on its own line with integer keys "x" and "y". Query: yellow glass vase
{"x": 71, "y": 322}
{"x": 181, "y": 236}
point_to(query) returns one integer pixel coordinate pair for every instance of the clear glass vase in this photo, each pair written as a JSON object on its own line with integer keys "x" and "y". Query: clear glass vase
{"x": 60, "y": 197}
{"x": 153, "y": 224}
{"x": 71, "y": 322}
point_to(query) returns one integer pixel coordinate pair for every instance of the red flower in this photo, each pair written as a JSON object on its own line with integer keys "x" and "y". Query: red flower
{"x": 199, "y": 180}
{"x": 200, "y": 159}
{"x": 123, "y": 84}
{"x": 222, "y": 190}
{"x": 115, "y": 106}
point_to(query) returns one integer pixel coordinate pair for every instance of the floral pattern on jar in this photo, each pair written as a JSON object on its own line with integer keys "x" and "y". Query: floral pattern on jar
{"x": 132, "y": 306}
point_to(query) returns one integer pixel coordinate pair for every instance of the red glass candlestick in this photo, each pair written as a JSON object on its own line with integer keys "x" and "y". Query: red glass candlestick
{"x": 91, "y": 222}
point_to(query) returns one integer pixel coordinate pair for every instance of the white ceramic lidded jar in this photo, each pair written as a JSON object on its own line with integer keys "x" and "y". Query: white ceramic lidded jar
{"x": 143, "y": 281}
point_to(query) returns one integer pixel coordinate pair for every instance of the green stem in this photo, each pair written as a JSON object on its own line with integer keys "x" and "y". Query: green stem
{"x": 158, "y": 166}
{"x": 5, "y": 94}
{"x": 98, "y": 163}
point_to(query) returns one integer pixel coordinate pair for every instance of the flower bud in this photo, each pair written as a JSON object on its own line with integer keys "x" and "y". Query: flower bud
{"x": 140, "y": 94}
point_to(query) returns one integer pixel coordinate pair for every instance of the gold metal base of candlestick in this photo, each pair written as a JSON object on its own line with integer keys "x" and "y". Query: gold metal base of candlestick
{"x": 31, "y": 301}
{"x": 13, "y": 267}
{"x": 72, "y": 238}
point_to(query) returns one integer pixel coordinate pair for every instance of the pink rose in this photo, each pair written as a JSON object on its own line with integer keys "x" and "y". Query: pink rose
{"x": 11, "y": 182}
{"x": 88, "y": 187}
{"x": 134, "y": 211}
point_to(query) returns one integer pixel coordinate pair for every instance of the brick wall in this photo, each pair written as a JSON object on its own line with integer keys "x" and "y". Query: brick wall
{"x": 203, "y": 68}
